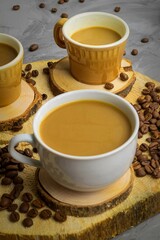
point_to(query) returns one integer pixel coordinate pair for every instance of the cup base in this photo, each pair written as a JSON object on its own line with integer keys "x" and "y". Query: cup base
{"x": 14, "y": 114}
{"x": 61, "y": 80}
{"x": 83, "y": 203}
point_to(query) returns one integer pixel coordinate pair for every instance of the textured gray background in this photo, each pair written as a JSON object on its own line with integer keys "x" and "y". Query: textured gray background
{"x": 31, "y": 25}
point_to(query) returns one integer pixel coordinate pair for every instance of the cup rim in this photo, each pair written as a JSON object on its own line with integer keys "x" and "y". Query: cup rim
{"x": 19, "y": 54}
{"x": 92, "y": 157}
{"x": 123, "y": 39}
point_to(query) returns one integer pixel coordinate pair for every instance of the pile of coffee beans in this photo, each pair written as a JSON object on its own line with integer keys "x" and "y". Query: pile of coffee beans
{"x": 147, "y": 158}
{"x": 29, "y": 206}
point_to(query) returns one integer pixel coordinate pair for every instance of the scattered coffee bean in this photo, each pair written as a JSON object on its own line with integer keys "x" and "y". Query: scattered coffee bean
{"x": 44, "y": 96}
{"x": 28, "y": 152}
{"x": 46, "y": 70}
{"x": 24, "y": 207}
{"x": 16, "y": 7}
{"x": 60, "y": 216}
{"x": 6, "y": 181}
{"x": 14, "y": 216}
{"x": 27, "y": 197}
{"x": 53, "y": 10}
{"x": 21, "y": 167}
{"x": 109, "y": 86}
{"x": 134, "y": 52}
{"x": 140, "y": 172}
{"x": 31, "y": 81}
{"x": 123, "y": 76}
{"x": 117, "y": 9}
{"x": 5, "y": 201}
{"x": 33, "y": 47}
{"x": 28, "y": 75}
{"x": 23, "y": 73}
{"x": 32, "y": 213}
{"x": 35, "y": 150}
{"x": 41, "y": 5}
{"x": 64, "y": 15}
{"x": 45, "y": 214}
{"x": 60, "y": 1}
{"x": 145, "y": 40}
{"x": 16, "y": 191}
{"x": 27, "y": 222}
{"x": 35, "y": 73}
{"x": 37, "y": 203}
{"x": 13, "y": 207}
{"x": 11, "y": 174}
{"x": 18, "y": 180}
{"x": 28, "y": 67}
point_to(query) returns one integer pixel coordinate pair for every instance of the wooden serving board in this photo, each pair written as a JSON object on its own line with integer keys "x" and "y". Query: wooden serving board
{"x": 142, "y": 203}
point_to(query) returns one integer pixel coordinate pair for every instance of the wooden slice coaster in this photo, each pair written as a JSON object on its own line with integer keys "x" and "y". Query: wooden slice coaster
{"x": 83, "y": 203}
{"x": 19, "y": 111}
{"x": 62, "y": 81}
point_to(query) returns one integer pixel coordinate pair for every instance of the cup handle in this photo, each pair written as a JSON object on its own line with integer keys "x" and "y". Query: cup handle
{"x": 16, "y": 155}
{"x": 57, "y": 32}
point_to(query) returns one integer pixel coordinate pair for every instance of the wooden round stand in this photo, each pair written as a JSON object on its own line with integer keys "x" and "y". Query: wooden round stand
{"x": 19, "y": 111}
{"x": 83, "y": 203}
{"x": 62, "y": 81}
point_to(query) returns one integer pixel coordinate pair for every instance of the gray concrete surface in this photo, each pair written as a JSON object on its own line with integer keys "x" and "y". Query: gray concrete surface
{"x": 31, "y": 24}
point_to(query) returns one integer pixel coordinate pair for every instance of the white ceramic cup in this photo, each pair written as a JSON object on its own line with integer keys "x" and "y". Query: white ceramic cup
{"x": 81, "y": 173}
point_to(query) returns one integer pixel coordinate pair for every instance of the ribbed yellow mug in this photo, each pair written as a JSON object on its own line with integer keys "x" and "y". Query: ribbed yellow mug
{"x": 10, "y": 73}
{"x": 92, "y": 64}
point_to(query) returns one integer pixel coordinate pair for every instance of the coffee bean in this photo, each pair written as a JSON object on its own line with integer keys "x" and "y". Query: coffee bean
{"x": 143, "y": 147}
{"x": 21, "y": 166}
{"x": 157, "y": 89}
{"x": 24, "y": 207}
{"x": 27, "y": 222}
{"x": 134, "y": 52}
{"x": 33, "y": 47}
{"x": 144, "y": 129}
{"x": 18, "y": 180}
{"x": 156, "y": 173}
{"x": 44, "y": 96}
{"x": 13, "y": 207}
{"x": 16, "y": 7}
{"x": 60, "y": 216}
{"x": 123, "y": 76}
{"x": 117, "y": 9}
{"x": 148, "y": 169}
{"x": 16, "y": 191}
{"x": 64, "y": 15}
{"x": 31, "y": 81}
{"x": 5, "y": 201}
{"x": 35, "y": 150}
{"x": 45, "y": 214}
{"x": 150, "y": 85}
{"x": 35, "y": 73}
{"x": 6, "y": 181}
{"x": 145, "y": 40}
{"x": 108, "y": 86}
{"x": 46, "y": 70}
{"x": 60, "y": 1}
{"x": 140, "y": 172}
{"x": 37, "y": 203}
{"x": 11, "y": 174}
{"x": 28, "y": 75}
{"x": 27, "y": 197}
{"x": 28, "y": 152}
{"x": 53, "y": 10}
{"x": 41, "y": 5}
{"x": 32, "y": 213}
{"x": 23, "y": 73}
{"x": 14, "y": 216}
{"x": 28, "y": 67}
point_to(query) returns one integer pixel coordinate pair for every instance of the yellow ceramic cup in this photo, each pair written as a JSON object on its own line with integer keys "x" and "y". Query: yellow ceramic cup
{"x": 10, "y": 73}
{"x": 92, "y": 64}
